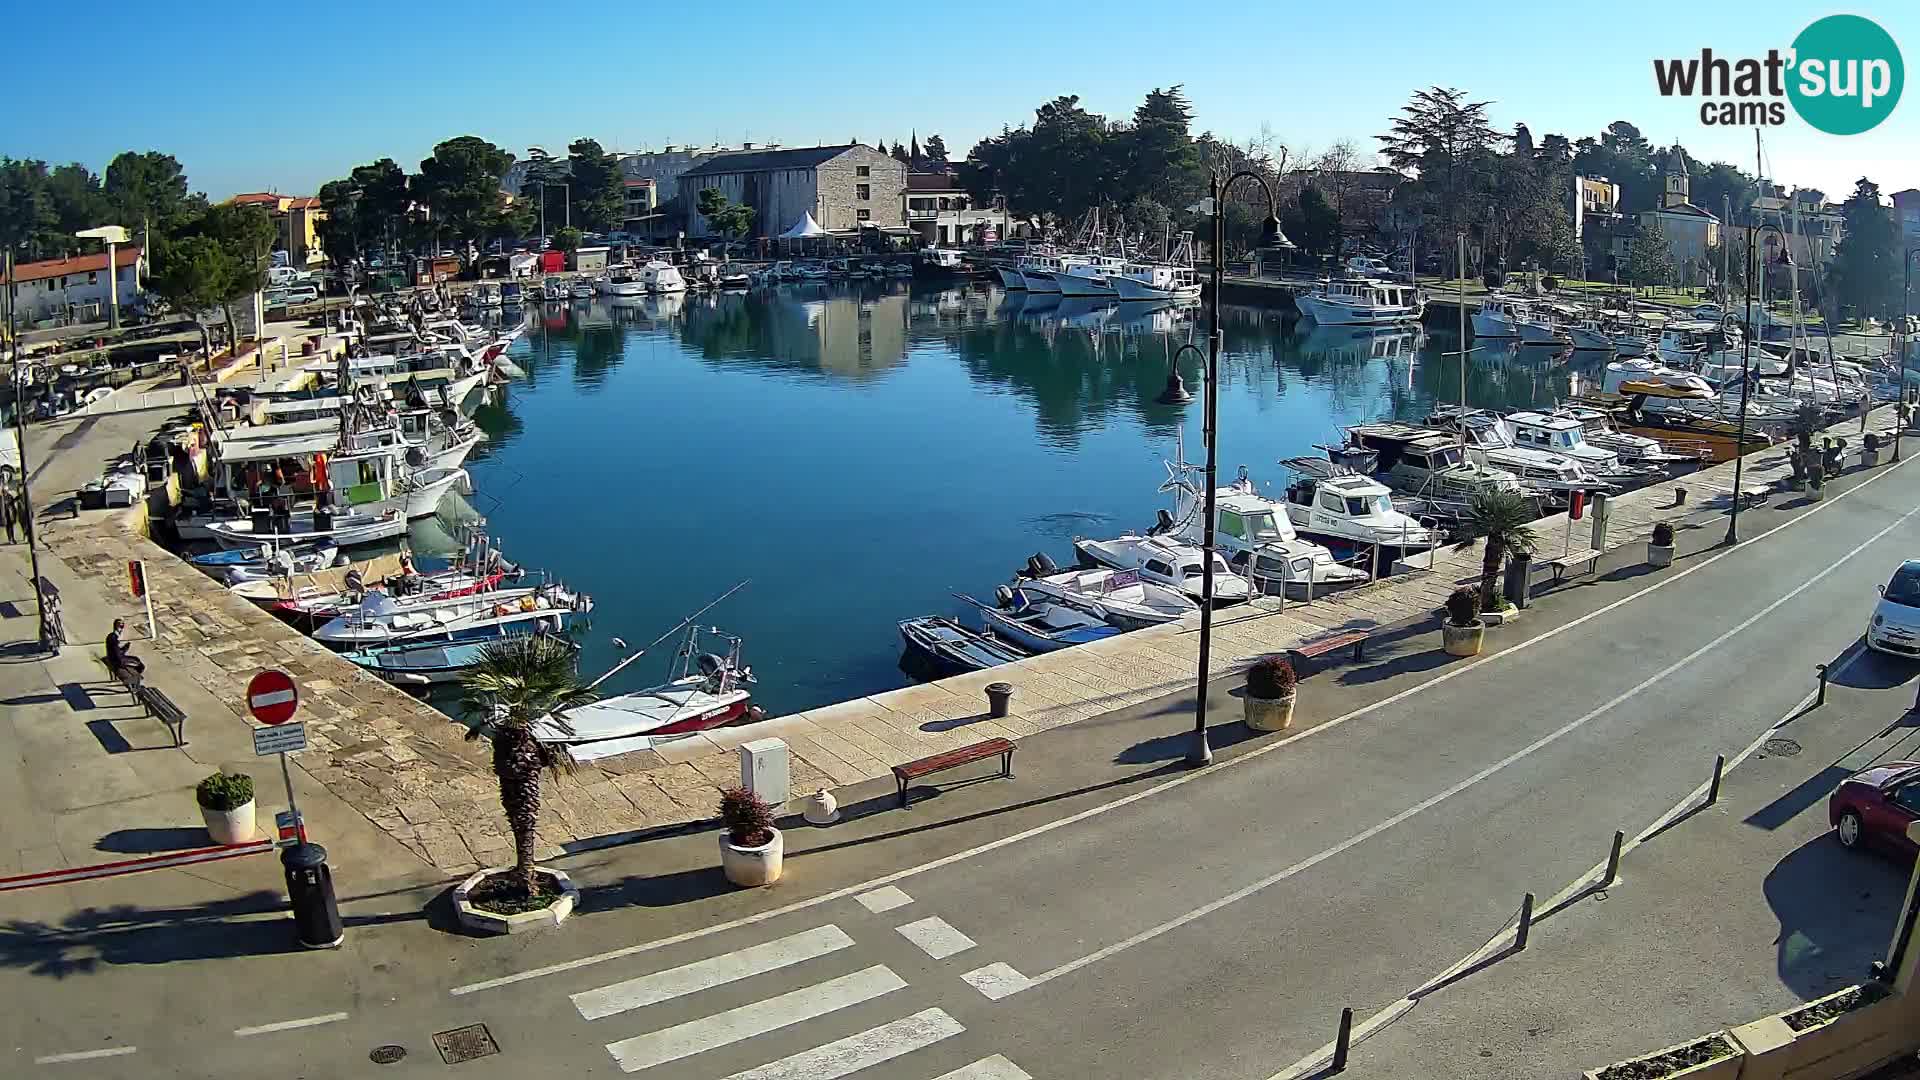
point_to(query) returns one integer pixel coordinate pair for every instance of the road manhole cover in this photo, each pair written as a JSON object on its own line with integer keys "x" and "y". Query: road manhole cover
{"x": 1781, "y": 747}
{"x": 465, "y": 1043}
{"x": 387, "y": 1055}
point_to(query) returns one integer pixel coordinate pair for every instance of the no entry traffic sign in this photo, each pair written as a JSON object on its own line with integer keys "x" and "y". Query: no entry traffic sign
{"x": 271, "y": 697}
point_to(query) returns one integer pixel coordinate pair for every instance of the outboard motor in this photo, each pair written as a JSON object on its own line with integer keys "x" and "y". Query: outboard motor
{"x": 1039, "y": 565}
{"x": 1162, "y": 523}
{"x": 416, "y": 457}
{"x": 1003, "y": 596}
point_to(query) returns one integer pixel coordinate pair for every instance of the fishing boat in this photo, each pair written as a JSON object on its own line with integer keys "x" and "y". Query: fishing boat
{"x": 1588, "y": 330}
{"x": 422, "y": 665}
{"x": 1120, "y": 597}
{"x": 704, "y": 690}
{"x": 256, "y": 556}
{"x": 581, "y": 289}
{"x": 735, "y": 282}
{"x": 482, "y": 616}
{"x": 1166, "y": 561}
{"x": 1040, "y": 627}
{"x": 1360, "y": 301}
{"x": 1040, "y": 271}
{"x": 622, "y": 282}
{"x": 1090, "y": 278}
{"x": 1489, "y": 443}
{"x": 282, "y": 563}
{"x": 553, "y": 289}
{"x": 1255, "y": 534}
{"x": 944, "y": 647}
{"x": 1351, "y": 513}
{"x": 1171, "y": 278}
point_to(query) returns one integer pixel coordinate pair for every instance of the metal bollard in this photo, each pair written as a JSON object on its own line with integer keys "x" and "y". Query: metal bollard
{"x": 1719, "y": 767}
{"x": 1526, "y": 923}
{"x": 1342, "y": 1043}
{"x": 1679, "y": 495}
{"x": 1821, "y": 697}
{"x": 1613, "y": 861}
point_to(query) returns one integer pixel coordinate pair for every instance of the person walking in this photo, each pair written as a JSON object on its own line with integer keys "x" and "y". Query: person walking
{"x": 6, "y": 513}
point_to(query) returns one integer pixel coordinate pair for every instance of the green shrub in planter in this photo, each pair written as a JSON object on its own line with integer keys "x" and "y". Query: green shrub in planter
{"x": 1663, "y": 535}
{"x": 1463, "y": 607}
{"x": 224, "y": 791}
{"x": 1271, "y": 678}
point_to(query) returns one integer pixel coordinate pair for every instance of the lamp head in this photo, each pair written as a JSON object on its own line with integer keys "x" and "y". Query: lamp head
{"x": 1176, "y": 391}
{"x": 1270, "y": 234}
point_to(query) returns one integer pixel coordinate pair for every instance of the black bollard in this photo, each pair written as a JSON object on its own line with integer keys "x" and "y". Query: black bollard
{"x": 316, "y": 915}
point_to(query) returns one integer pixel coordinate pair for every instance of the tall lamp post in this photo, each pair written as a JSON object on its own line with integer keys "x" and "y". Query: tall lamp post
{"x": 1746, "y": 371}
{"x": 18, "y": 375}
{"x": 1906, "y": 314}
{"x": 1200, "y": 753}
{"x": 112, "y": 236}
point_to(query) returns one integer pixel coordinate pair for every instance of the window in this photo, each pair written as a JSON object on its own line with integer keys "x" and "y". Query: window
{"x": 863, "y": 170}
{"x": 1155, "y": 566}
{"x": 1330, "y": 502}
{"x": 864, "y": 215}
{"x": 1233, "y": 525}
{"x": 1262, "y": 526}
{"x": 863, "y": 192}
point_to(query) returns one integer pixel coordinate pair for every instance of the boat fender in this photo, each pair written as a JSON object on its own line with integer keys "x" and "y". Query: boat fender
{"x": 1003, "y": 596}
{"x": 755, "y": 714}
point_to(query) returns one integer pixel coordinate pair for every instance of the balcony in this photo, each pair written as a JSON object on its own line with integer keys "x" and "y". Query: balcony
{"x": 925, "y": 215}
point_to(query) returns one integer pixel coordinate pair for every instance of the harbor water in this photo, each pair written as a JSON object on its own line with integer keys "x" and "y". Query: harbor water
{"x": 864, "y": 452}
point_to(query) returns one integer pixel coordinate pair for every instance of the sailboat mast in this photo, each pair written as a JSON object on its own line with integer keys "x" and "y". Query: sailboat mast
{"x": 1463, "y": 333}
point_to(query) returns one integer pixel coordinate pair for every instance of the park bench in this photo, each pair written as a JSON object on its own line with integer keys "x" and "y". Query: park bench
{"x": 1571, "y": 559}
{"x": 1305, "y": 656}
{"x": 161, "y": 707}
{"x": 927, "y": 766}
{"x": 128, "y": 678}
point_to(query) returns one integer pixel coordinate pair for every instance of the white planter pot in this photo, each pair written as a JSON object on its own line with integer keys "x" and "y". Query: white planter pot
{"x": 1816, "y": 494}
{"x": 751, "y": 867}
{"x": 233, "y": 826}
{"x": 821, "y": 808}
{"x": 1462, "y": 640}
{"x": 1659, "y": 556}
{"x": 1269, "y": 714}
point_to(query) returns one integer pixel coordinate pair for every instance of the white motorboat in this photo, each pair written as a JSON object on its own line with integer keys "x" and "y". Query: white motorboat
{"x": 660, "y": 276}
{"x": 1360, "y": 301}
{"x": 381, "y": 620}
{"x": 623, "y": 282}
{"x": 1040, "y": 271}
{"x": 1043, "y": 626}
{"x": 581, "y": 289}
{"x": 1172, "y": 278}
{"x": 1499, "y": 317}
{"x": 1629, "y": 336}
{"x": 1490, "y": 443}
{"x": 1165, "y": 561}
{"x": 1423, "y": 463}
{"x": 340, "y": 530}
{"x": 1654, "y": 380}
{"x": 1338, "y": 506}
{"x": 704, "y": 690}
{"x": 1253, "y": 532}
{"x": 1092, "y": 278}
{"x": 1120, "y": 597}
{"x": 281, "y": 562}
{"x": 1633, "y": 449}
{"x": 1692, "y": 343}
{"x": 1589, "y": 331}
{"x": 1567, "y": 435}
{"x": 553, "y": 289}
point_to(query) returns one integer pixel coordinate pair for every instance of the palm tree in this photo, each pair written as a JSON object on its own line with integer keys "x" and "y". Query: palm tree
{"x": 518, "y": 681}
{"x": 1501, "y": 518}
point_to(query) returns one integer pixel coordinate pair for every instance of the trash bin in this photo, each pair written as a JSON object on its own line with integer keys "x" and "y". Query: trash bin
{"x": 316, "y": 915}
{"x": 1516, "y": 590}
{"x": 999, "y": 699}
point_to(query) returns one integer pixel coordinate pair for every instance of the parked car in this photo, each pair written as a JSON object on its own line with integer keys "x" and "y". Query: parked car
{"x": 1876, "y": 807}
{"x": 1895, "y": 626}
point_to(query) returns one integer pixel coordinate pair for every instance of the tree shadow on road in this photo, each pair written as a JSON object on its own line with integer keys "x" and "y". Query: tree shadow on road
{"x": 94, "y": 938}
{"x": 1836, "y": 910}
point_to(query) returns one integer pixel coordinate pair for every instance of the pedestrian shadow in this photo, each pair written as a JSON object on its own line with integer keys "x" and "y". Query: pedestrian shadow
{"x": 151, "y": 841}
{"x": 93, "y": 940}
{"x": 1835, "y": 908}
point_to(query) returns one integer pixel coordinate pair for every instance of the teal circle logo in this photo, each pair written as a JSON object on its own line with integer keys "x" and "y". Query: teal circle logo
{"x": 1846, "y": 75}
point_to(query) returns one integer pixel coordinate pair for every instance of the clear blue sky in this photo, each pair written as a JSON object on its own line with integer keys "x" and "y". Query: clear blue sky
{"x": 284, "y": 98}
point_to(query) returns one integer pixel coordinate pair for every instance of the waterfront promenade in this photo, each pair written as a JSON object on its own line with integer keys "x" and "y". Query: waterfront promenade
{"x": 404, "y": 768}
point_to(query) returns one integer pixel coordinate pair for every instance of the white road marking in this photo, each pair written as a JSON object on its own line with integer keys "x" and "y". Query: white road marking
{"x": 988, "y": 1068}
{"x": 721, "y": 1029}
{"x": 996, "y": 981}
{"x": 855, "y": 1052}
{"x": 1437, "y": 798}
{"x": 885, "y": 899}
{"x": 85, "y": 1055}
{"x": 936, "y": 937}
{"x": 1167, "y": 785}
{"x": 706, "y": 974}
{"x": 289, "y": 1025}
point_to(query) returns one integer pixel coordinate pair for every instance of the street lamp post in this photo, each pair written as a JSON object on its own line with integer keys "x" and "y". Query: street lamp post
{"x": 1746, "y": 375}
{"x": 1900, "y": 362}
{"x": 112, "y": 236}
{"x": 1200, "y": 753}
{"x": 20, "y": 427}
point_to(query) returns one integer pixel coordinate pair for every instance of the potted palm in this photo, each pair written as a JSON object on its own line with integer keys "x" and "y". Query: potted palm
{"x": 226, "y": 805}
{"x": 1660, "y": 548}
{"x": 1462, "y": 633}
{"x": 1270, "y": 694}
{"x": 750, "y": 848}
{"x": 520, "y": 683}
{"x": 1501, "y": 519}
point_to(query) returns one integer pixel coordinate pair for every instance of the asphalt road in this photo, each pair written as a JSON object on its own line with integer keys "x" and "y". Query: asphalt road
{"x": 1107, "y": 913}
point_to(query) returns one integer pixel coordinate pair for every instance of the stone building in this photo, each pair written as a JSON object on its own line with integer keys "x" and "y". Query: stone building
{"x": 1690, "y": 230}
{"x": 846, "y": 188}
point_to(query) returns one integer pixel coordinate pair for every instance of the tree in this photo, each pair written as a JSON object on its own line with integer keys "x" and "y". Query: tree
{"x": 147, "y": 188}
{"x": 190, "y": 274}
{"x": 1156, "y": 158}
{"x": 598, "y": 190}
{"x": 899, "y": 153}
{"x": 1319, "y": 225}
{"x": 518, "y": 683}
{"x": 727, "y": 218}
{"x": 1866, "y": 265}
{"x": 339, "y": 227}
{"x": 461, "y": 183}
{"x": 1650, "y": 261}
{"x": 1447, "y": 140}
{"x": 566, "y": 239}
{"x": 1720, "y": 186}
{"x": 1500, "y": 518}
{"x": 1522, "y": 141}
{"x": 26, "y": 208}
{"x": 244, "y": 237}
{"x": 936, "y": 151}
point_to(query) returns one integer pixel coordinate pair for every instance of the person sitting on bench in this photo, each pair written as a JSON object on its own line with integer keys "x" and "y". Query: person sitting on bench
{"x": 118, "y": 658}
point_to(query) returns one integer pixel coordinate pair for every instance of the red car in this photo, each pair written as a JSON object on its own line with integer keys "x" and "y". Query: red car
{"x": 1875, "y": 807}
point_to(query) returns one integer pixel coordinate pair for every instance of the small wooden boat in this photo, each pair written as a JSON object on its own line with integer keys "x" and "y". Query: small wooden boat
{"x": 948, "y": 648}
{"x": 1041, "y": 627}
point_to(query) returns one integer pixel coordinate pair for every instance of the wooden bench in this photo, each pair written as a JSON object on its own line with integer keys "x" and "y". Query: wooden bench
{"x": 161, "y": 707}
{"x": 128, "y": 678}
{"x": 927, "y": 766}
{"x": 1305, "y": 654}
{"x": 1572, "y": 559}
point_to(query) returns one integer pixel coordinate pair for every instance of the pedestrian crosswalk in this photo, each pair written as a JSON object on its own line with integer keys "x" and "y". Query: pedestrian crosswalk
{"x": 836, "y": 982}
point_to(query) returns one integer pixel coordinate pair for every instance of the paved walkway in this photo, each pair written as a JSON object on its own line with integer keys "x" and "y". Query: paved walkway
{"x": 407, "y": 770}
